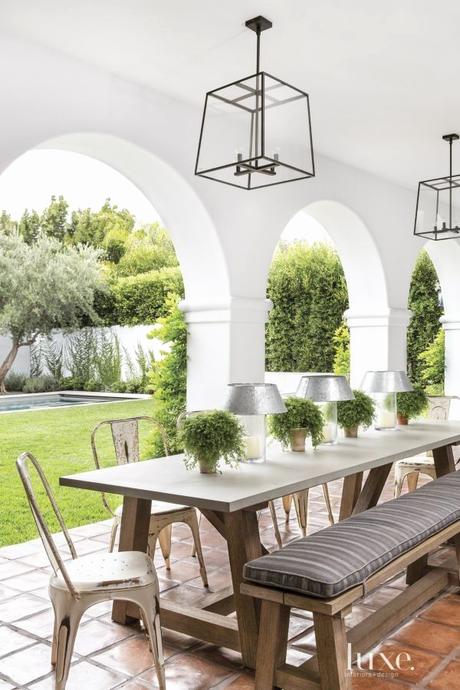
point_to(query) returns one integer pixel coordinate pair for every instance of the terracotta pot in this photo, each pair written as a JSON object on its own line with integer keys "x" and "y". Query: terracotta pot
{"x": 351, "y": 432}
{"x": 297, "y": 439}
{"x": 402, "y": 421}
{"x": 206, "y": 467}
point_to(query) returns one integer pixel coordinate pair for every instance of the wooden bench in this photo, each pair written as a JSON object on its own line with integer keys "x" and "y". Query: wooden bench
{"x": 337, "y": 647}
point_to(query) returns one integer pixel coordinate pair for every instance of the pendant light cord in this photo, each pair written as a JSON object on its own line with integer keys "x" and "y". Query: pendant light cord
{"x": 450, "y": 183}
{"x": 258, "y": 50}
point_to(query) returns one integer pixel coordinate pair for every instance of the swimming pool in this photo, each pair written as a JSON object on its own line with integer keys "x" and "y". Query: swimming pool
{"x": 39, "y": 401}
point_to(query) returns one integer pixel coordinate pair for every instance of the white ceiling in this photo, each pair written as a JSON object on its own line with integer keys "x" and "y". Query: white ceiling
{"x": 383, "y": 77}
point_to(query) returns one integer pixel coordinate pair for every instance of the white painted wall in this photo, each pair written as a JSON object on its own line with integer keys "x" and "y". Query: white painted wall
{"x": 224, "y": 237}
{"x": 22, "y": 361}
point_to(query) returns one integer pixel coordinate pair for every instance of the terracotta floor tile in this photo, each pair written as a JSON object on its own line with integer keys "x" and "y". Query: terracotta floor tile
{"x": 28, "y": 581}
{"x": 432, "y": 637}
{"x": 84, "y": 676}
{"x": 245, "y": 681}
{"x": 380, "y": 597}
{"x": 445, "y": 611}
{"x": 189, "y": 672}
{"x": 12, "y": 641}
{"x": 25, "y": 605}
{"x": 40, "y": 624}
{"x": 448, "y": 679}
{"x": 28, "y": 664}
{"x": 19, "y": 550}
{"x": 180, "y": 571}
{"x": 10, "y": 568}
{"x": 421, "y": 663}
{"x": 131, "y": 656}
{"x": 366, "y": 681}
{"x": 95, "y": 636}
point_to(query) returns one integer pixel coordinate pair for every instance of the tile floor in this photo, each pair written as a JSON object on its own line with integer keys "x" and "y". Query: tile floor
{"x": 112, "y": 656}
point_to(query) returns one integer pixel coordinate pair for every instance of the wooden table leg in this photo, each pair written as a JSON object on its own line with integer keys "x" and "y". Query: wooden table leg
{"x": 372, "y": 489}
{"x": 350, "y": 492}
{"x": 134, "y": 535}
{"x": 242, "y": 534}
{"x": 444, "y": 460}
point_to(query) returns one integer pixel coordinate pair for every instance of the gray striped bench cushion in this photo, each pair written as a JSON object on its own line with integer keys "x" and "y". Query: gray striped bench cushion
{"x": 335, "y": 559}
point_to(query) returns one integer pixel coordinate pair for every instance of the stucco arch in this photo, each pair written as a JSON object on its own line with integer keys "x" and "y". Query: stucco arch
{"x": 446, "y": 259}
{"x": 191, "y": 228}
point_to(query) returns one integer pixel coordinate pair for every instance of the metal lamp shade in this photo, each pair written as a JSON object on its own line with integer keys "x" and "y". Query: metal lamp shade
{"x": 324, "y": 388}
{"x": 386, "y": 382}
{"x": 254, "y": 399}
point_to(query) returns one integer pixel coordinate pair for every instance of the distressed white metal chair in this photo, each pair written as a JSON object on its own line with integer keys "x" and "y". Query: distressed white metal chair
{"x": 125, "y": 437}
{"x": 85, "y": 581}
{"x": 300, "y": 500}
{"x": 412, "y": 468}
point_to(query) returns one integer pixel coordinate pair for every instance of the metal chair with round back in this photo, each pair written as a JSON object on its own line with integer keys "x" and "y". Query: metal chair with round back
{"x": 84, "y": 581}
{"x": 125, "y": 437}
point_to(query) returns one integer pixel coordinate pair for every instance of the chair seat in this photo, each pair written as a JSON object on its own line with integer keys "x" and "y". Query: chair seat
{"x": 416, "y": 461}
{"x": 96, "y": 572}
{"x": 158, "y": 508}
{"x": 331, "y": 561}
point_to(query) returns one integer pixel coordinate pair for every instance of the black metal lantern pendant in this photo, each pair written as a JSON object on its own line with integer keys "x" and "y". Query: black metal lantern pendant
{"x": 256, "y": 132}
{"x": 437, "y": 215}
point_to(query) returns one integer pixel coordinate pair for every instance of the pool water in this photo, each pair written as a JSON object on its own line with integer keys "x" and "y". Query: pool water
{"x": 32, "y": 401}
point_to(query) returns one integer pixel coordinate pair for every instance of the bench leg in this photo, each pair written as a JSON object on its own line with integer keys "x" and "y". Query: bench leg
{"x": 272, "y": 644}
{"x": 331, "y": 646}
{"x": 417, "y": 570}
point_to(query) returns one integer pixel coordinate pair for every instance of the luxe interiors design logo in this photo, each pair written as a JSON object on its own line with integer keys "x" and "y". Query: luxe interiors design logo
{"x": 385, "y": 664}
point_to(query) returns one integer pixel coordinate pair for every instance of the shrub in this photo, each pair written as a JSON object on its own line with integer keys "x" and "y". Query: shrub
{"x": 342, "y": 350}
{"x": 209, "y": 437}
{"x": 309, "y": 294}
{"x": 433, "y": 365}
{"x": 357, "y": 412}
{"x": 301, "y": 414}
{"x": 411, "y": 404}
{"x": 168, "y": 377}
{"x": 40, "y": 384}
{"x": 15, "y": 382}
{"x": 426, "y": 312}
{"x": 141, "y": 299}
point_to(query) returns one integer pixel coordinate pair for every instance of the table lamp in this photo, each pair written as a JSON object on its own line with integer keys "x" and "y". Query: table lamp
{"x": 326, "y": 390}
{"x": 252, "y": 402}
{"x": 383, "y": 386}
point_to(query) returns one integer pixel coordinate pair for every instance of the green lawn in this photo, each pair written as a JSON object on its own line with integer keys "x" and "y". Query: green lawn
{"x": 60, "y": 439}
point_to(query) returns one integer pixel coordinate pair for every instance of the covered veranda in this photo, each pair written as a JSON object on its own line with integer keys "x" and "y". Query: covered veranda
{"x": 71, "y": 88}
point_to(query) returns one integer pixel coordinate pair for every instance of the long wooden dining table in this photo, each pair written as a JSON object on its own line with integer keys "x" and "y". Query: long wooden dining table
{"x": 231, "y": 500}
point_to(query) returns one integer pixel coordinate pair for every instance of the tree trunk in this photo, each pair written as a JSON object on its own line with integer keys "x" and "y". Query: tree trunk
{"x": 6, "y": 365}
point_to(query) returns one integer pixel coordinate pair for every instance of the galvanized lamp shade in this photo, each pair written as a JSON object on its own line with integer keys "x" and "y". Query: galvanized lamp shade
{"x": 326, "y": 390}
{"x": 386, "y": 382}
{"x": 383, "y": 387}
{"x": 437, "y": 215}
{"x": 254, "y": 398}
{"x": 252, "y": 402}
{"x": 256, "y": 131}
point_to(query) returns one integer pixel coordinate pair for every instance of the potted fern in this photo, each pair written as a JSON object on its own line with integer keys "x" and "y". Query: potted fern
{"x": 303, "y": 418}
{"x": 351, "y": 414}
{"x": 209, "y": 437}
{"x": 411, "y": 404}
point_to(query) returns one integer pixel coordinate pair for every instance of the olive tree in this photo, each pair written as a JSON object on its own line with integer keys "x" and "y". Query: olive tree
{"x": 43, "y": 286}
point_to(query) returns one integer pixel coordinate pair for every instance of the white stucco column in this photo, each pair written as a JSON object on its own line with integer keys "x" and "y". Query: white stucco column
{"x": 377, "y": 342}
{"x": 226, "y": 344}
{"x": 451, "y": 325}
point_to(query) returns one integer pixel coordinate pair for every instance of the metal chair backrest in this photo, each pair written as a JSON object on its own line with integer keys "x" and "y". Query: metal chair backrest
{"x": 439, "y": 407}
{"x": 23, "y": 464}
{"x": 125, "y": 437}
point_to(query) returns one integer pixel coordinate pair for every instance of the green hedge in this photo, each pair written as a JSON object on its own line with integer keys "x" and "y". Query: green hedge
{"x": 139, "y": 299}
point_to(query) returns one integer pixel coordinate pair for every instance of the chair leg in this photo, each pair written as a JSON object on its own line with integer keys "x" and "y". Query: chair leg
{"x": 301, "y": 508}
{"x": 331, "y": 646}
{"x": 399, "y": 481}
{"x": 287, "y": 503}
{"x": 68, "y": 613}
{"x": 327, "y": 500}
{"x": 113, "y": 534}
{"x": 199, "y": 525}
{"x": 412, "y": 480}
{"x": 194, "y": 526}
{"x": 150, "y": 609}
{"x": 272, "y": 643}
{"x": 271, "y": 505}
{"x": 165, "y": 544}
